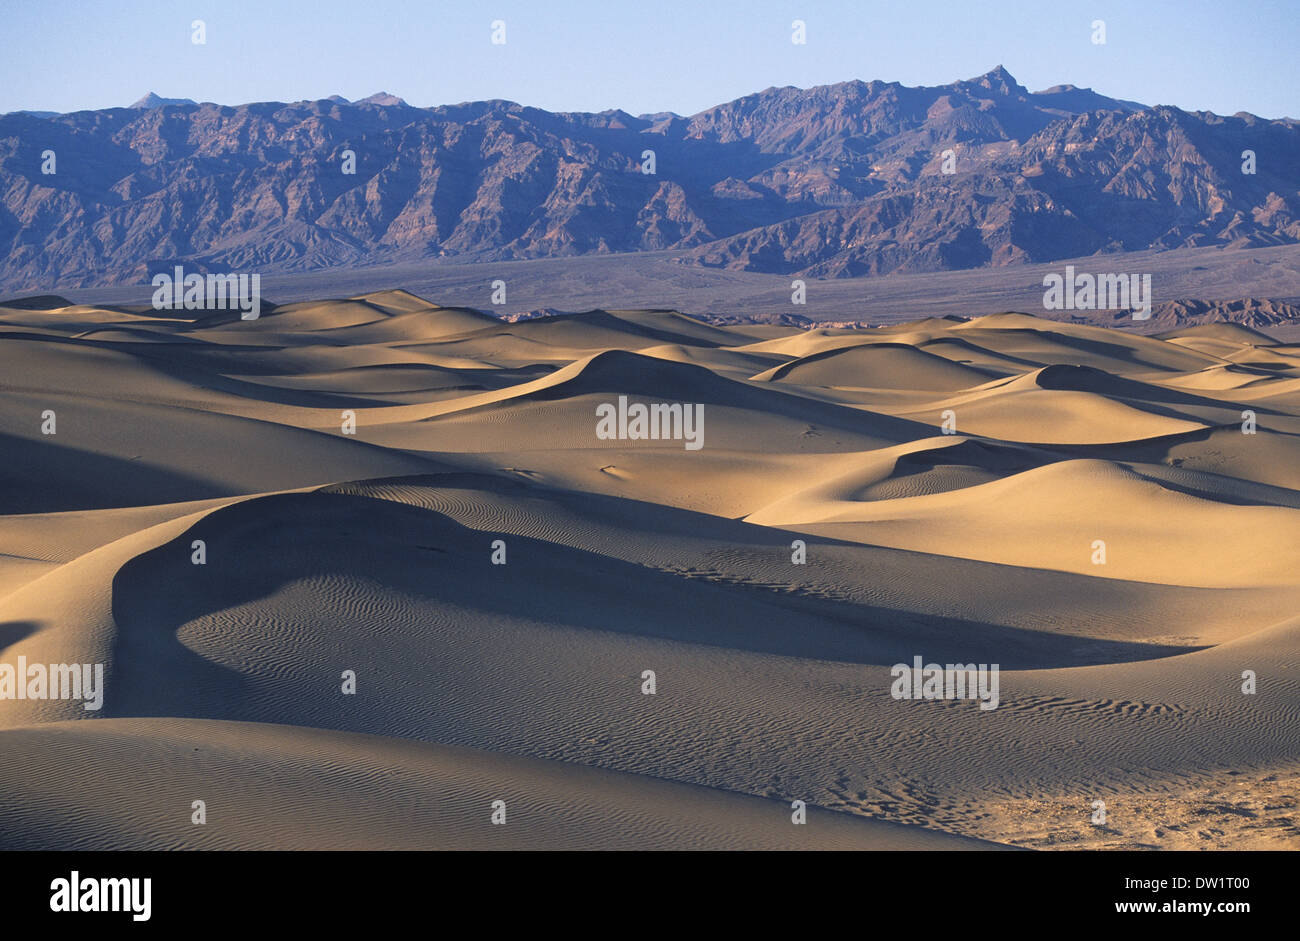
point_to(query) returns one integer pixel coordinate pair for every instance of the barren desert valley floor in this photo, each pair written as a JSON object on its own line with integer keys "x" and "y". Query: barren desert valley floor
{"x": 238, "y": 519}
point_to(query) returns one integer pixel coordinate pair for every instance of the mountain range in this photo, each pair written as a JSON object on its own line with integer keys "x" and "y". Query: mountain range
{"x": 858, "y": 178}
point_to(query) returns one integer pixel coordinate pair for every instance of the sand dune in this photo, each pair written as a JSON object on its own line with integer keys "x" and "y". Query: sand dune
{"x": 878, "y": 365}
{"x": 1110, "y": 518}
{"x": 272, "y": 787}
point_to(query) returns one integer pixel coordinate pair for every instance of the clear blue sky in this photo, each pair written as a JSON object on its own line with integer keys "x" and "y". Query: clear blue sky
{"x": 638, "y": 55}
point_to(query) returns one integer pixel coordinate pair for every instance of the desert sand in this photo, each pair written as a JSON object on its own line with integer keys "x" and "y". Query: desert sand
{"x": 1079, "y": 505}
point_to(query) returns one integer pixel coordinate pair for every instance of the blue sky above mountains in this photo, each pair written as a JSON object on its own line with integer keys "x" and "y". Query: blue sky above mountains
{"x": 640, "y": 57}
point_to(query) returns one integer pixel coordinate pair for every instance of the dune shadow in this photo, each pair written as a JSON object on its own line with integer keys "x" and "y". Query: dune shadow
{"x": 11, "y": 632}
{"x": 329, "y": 541}
{"x": 45, "y": 476}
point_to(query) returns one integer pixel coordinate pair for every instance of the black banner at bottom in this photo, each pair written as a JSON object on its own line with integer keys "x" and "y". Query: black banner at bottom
{"x": 367, "y": 890}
